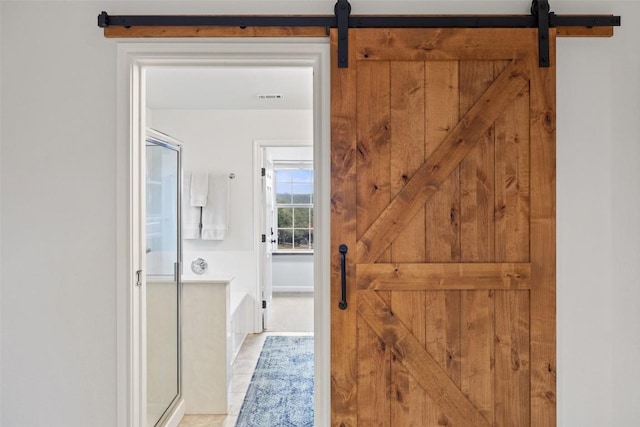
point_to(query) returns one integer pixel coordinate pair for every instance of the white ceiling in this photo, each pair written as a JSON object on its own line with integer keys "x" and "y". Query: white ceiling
{"x": 229, "y": 88}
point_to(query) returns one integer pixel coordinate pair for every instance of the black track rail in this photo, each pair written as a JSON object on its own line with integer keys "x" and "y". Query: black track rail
{"x": 540, "y": 18}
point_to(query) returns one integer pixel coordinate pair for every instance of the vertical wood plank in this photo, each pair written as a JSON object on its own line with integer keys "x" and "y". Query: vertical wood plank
{"x": 407, "y": 150}
{"x": 407, "y": 155}
{"x": 453, "y": 304}
{"x": 477, "y": 349}
{"x": 436, "y": 344}
{"x": 477, "y": 171}
{"x": 477, "y": 244}
{"x": 436, "y": 326}
{"x": 511, "y": 387}
{"x": 441, "y": 115}
{"x": 403, "y": 406}
{"x": 408, "y": 398}
{"x": 543, "y": 248}
{"x": 343, "y": 230}
{"x": 373, "y": 146}
{"x": 443, "y": 313}
{"x": 512, "y": 182}
{"x": 374, "y": 378}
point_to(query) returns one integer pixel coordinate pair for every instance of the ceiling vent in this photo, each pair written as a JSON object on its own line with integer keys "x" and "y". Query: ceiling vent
{"x": 270, "y": 96}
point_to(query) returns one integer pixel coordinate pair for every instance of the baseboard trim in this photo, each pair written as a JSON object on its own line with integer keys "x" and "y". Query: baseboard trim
{"x": 176, "y": 417}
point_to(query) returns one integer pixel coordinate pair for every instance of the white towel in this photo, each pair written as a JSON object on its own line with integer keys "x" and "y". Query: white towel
{"x": 215, "y": 215}
{"x": 199, "y": 188}
{"x": 190, "y": 214}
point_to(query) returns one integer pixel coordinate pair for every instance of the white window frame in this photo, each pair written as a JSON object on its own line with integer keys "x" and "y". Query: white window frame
{"x": 282, "y": 165}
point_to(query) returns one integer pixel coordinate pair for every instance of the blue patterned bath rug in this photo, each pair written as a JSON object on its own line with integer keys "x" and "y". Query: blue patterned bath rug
{"x": 281, "y": 390}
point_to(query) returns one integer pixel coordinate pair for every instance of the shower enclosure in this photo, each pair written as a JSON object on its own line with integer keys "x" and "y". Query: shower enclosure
{"x": 163, "y": 283}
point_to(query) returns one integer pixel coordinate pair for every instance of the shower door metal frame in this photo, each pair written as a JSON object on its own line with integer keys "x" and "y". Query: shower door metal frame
{"x": 163, "y": 140}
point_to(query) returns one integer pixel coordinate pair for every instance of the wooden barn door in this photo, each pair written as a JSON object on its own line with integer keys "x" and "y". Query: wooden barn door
{"x": 443, "y": 190}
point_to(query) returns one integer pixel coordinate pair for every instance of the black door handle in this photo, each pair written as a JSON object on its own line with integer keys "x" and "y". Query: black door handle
{"x": 342, "y": 305}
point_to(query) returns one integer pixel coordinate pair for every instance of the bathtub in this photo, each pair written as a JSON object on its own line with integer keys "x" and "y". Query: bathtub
{"x": 215, "y": 321}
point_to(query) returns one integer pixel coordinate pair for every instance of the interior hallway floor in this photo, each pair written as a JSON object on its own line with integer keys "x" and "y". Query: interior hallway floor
{"x": 292, "y": 314}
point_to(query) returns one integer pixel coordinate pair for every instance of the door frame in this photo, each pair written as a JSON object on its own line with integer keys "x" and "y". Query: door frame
{"x": 133, "y": 58}
{"x": 259, "y": 145}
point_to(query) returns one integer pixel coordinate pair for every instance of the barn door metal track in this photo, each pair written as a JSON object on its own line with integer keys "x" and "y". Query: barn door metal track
{"x": 541, "y": 18}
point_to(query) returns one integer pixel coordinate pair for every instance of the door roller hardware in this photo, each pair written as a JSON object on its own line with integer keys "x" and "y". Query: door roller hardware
{"x": 540, "y": 17}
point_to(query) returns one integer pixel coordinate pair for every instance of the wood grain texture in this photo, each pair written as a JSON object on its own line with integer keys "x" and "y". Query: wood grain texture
{"x": 440, "y": 44}
{"x": 454, "y": 327}
{"x": 343, "y": 231}
{"x": 374, "y": 145}
{"x": 407, "y": 105}
{"x": 436, "y": 345}
{"x": 418, "y": 362}
{"x": 409, "y": 403}
{"x": 543, "y": 248}
{"x": 511, "y": 383}
{"x": 441, "y": 163}
{"x": 374, "y": 378}
{"x": 441, "y": 116}
{"x": 201, "y": 32}
{"x": 584, "y": 31}
{"x": 477, "y": 350}
{"x": 446, "y": 342}
{"x": 443, "y": 276}
{"x": 477, "y": 238}
{"x": 511, "y": 210}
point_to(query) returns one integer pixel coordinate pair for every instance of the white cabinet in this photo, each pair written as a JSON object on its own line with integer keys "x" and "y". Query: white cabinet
{"x": 207, "y": 344}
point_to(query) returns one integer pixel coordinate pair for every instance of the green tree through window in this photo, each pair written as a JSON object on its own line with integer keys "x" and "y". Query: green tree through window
{"x": 294, "y": 207}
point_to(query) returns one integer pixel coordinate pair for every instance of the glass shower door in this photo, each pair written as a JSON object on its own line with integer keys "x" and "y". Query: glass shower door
{"x": 163, "y": 253}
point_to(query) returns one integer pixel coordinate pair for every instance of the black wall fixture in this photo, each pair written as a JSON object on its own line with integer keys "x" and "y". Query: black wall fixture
{"x": 540, "y": 17}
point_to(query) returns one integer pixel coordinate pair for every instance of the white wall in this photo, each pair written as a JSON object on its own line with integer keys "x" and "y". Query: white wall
{"x": 1, "y": 275}
{"x": 58, "y": 217}
{"x": 58, "y": 207}
{"x": 292, "y": 273}
{"x": 625, "y": 211}
{"x": 584, "y": 179}
{"x": 222, "y": 141}
{"x": 290, "y": 153}
{"x": 598, "y": 233}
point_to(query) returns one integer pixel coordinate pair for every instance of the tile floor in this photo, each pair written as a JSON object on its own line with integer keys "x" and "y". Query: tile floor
{"x": 292, "y": 314}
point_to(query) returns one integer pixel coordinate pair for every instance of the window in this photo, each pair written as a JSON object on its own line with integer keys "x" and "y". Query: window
{"x": 294, "y": 206}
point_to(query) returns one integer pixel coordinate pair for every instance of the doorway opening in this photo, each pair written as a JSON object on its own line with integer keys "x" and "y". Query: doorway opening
{"x": 141, "y": 61}
{"x": 285, "y": 210}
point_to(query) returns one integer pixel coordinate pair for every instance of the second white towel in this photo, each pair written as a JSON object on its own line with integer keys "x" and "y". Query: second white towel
{"x": 215, "y": 215}
{"x": 199, "y": 188}
{"x": 190, "y": 214}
